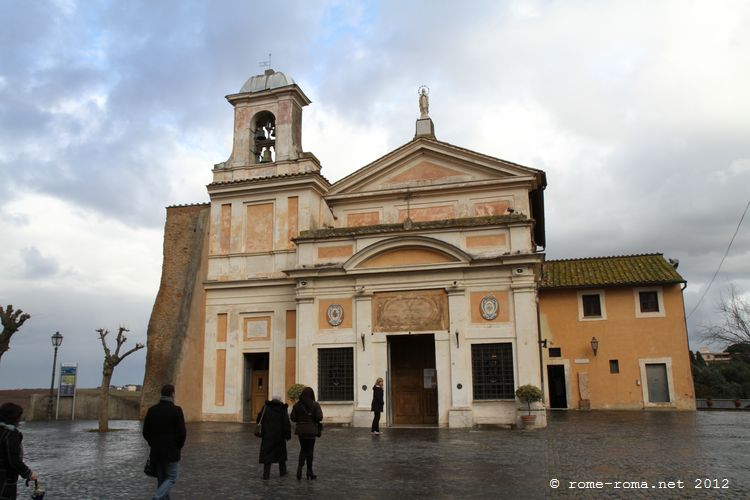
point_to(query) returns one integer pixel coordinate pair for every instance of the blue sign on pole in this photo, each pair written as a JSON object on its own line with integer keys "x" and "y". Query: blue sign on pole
{"x": 68, "y": 373}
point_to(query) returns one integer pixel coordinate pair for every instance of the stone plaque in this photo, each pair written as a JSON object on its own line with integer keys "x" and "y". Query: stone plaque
{"x": 410, "y": 311}
{"x": 257, "y": 328}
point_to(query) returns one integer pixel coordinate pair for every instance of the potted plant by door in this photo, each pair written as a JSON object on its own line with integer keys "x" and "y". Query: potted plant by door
{"x": 528, "y": 394}
{"x": 294, "y": 391}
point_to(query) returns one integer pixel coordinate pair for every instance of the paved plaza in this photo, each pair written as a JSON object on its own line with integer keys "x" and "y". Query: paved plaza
{"x": 220, "y": 460}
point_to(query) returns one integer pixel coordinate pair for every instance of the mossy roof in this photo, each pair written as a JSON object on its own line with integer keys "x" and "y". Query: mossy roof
{"x": 645, "y": 269}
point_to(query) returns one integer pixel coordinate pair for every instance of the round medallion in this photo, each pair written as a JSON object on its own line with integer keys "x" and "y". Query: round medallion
{"x": 335, "y": 314}
{"x": 489, "y": 307}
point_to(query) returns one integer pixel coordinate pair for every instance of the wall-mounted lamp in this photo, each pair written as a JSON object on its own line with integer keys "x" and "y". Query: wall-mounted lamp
{"x": 457, "y": 345}
{"x": 543, "y": 343}
{"x": 362, "y": 336}
{"x": 594, "y": 345}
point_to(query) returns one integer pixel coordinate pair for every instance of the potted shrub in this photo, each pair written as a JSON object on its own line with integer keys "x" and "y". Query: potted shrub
{"x": 294, "y": 391}
{"x": 528, "y": 394}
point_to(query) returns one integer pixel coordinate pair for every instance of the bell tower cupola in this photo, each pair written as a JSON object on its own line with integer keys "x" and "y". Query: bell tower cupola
{"x": 267, "y": 129}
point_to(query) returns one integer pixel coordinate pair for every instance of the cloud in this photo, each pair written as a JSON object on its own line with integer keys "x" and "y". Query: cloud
{"x": 36, "y": 265}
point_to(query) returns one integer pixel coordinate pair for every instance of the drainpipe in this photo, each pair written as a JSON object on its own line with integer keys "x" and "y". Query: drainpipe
{"x": 539, "y": 343}
{"x": 687, "y": 336}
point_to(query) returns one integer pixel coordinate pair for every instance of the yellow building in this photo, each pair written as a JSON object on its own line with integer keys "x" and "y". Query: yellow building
{"x": 615, "y": 334}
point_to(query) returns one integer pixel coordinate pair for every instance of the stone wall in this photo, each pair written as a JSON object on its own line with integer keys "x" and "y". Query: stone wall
{"x": 175, "y": 330}
{"x": 87, "y": 407}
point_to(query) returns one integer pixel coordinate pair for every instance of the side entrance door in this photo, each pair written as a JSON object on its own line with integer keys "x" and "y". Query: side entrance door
{"x": 658, "y": 385}
{"x": 556, "y": 378}
{"x": 256, "y": 385}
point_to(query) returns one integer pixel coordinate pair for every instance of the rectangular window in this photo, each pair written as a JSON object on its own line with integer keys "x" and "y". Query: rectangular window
{"x": 336, "y": 374}
{"x": 555, "y": 352}
{"x": 492, "y": 371}
{"x": 649, "y": 301}
{"x": 614, "y": 366}
{"x": 592, "y": 306}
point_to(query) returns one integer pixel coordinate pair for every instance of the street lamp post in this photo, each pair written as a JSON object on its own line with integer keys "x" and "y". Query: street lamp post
{"x": 56, "y": 341}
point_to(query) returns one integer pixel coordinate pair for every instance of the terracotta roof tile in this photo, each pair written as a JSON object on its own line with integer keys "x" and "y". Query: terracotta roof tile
{"x": 645, "y": 269}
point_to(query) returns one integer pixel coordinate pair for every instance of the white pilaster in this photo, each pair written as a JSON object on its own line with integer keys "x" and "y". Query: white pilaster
{"x": 365, "y": 371}
{"x": 307, "y": 357}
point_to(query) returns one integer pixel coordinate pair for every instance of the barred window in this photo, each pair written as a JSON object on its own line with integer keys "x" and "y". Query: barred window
{"x": 492, "y": 371}
{"x": 336, "y": 374}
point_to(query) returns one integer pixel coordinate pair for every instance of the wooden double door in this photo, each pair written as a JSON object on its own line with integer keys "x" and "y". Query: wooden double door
{"x": 413, "y": 380}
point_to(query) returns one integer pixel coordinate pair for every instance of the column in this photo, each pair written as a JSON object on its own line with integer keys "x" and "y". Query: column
{"x": 459, "y": 414}
{"x": 527, "y": 362}
{"x": 365, "y": 374}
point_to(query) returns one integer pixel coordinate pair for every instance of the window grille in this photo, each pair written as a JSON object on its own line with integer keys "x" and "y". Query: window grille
{"x": 336, "y": 374}
{"x": 492, "y": 371}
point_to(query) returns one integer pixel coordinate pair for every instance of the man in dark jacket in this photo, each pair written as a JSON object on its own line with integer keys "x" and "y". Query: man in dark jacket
{"x": 164, "y": 429}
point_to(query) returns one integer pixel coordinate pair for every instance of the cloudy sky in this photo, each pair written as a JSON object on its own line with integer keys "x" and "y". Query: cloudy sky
{"x": 112, "y": 110}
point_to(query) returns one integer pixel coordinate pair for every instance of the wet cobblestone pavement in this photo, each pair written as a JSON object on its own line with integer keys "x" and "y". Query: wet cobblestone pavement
{"x": 220, "y": 460}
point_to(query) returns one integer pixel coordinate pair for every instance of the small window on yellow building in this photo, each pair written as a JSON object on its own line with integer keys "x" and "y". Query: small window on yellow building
{"x": 555, "y": 352}
{"x": 649, "y": 301}
{"x": 592, "y": 306}
{"x": 614, "y": 366}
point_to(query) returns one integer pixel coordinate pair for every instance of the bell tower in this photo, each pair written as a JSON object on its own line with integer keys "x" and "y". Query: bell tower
{"x": 267, "y": 130}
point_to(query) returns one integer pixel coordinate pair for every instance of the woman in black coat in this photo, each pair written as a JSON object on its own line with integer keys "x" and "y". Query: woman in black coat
{"x": 11, "y": 451}
{"x": 307, "y": 414}
{"x": 377, "y": 405}
{"x": 276, "y": 430}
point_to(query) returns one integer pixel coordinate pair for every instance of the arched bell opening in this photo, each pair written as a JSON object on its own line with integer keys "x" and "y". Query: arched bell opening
{"x": 264, "y": 137}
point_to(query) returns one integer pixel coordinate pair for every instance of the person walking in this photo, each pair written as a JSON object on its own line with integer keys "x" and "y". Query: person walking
{"x": 164, "y": 429}
{"x": 376, "y": 406}
{"x": 276, "y": 430}
{"x": 11, "y": 452}
{"x": 307, "y": 415}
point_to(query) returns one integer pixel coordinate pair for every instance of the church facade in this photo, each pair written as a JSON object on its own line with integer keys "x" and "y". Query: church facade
{"x": 422, "y": 267}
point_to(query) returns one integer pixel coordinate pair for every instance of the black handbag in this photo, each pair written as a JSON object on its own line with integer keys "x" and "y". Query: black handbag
{"x": 259, "y": 426}
{"x": 150, "y": 468}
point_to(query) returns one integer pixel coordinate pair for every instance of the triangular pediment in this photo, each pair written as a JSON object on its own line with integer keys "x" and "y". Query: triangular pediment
{"x": 424, "y": 163}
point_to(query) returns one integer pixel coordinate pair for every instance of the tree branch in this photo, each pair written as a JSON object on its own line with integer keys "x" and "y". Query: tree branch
{"x": 734, "y": 327}
{"x": 103, "y": 333}
{"x": 137, "y": 347}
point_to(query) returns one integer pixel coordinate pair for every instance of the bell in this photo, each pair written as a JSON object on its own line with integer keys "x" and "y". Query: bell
{"x": 266, "y": 156}
{"x": 260, "y": 135}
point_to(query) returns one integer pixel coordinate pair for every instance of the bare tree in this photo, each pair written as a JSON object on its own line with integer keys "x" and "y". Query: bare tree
{"x": 12, "y": 321}
{"x": 110, "y": 361}
{"x": 734, "y": 327}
